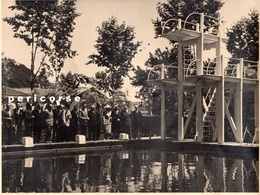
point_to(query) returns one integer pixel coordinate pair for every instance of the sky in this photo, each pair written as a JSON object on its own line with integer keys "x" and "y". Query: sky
{"x": 136, "y": 13}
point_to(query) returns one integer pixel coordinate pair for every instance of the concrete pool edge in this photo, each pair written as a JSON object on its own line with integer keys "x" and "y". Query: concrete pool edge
{"x": 103, "y": 145}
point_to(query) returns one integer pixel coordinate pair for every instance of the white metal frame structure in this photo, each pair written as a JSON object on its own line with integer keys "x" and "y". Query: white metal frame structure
{"x": 215, "y": 87}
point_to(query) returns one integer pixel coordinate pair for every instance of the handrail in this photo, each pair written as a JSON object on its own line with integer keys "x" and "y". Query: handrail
{"x": 230, "y": 69}
{"x": 172, "y": 19}
{"x": 170, "y": 66}
{"x": 185, "y": 21}
{"x": 197, "y": 13}
{"x": 210, "y": 62}
{"x": 246, "y": 65}
{"x": 207, "y": 95}
{"x": 250, "y": 61}
{"x": 158, "y": 65}
{"x": 192, "y": 61}
{"x": 148, "y": 77}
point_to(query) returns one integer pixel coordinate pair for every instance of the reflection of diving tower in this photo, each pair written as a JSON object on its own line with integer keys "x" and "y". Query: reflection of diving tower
{"x": 215, "y": 83}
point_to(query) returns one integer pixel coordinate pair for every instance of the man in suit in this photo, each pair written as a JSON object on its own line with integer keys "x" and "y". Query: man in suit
{"x": 94, "y": 116}
{"x": 116, "y": 123}
{"x": 38, "y": 123}
{"x": 137, "y": 122}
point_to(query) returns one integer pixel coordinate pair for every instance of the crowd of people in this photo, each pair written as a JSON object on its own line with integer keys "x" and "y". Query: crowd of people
{"x": 56, "y": 122}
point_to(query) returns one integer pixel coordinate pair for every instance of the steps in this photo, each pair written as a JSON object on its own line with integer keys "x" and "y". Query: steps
{"x": 209, "y": 116}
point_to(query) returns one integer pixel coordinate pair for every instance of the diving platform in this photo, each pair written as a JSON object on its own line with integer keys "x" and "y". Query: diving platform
{"x": 190, "y": 37}
{"x": 214, "y": 84}
{"x": 189, "y": 85}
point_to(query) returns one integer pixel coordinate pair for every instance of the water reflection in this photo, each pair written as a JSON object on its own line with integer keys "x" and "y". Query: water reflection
{"x": 131, "y": 171}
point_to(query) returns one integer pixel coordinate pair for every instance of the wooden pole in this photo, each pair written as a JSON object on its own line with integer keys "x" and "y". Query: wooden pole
{"x": 220, "y": 112}
{"x": 163, "y": 112}
{"x": 238, "y": 102}
{"x": 180, "y": 94}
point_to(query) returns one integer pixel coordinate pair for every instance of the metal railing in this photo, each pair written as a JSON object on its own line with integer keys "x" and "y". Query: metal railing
{"x": 236, "y": 68}
{"x": 163, "y": 71}
{"x": 240, "y": 68}
{"x": 197, "y": 26}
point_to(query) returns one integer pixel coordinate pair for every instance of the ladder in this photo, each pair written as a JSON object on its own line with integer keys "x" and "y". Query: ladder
{"x": 189, "y": 56}
{"x": 209, "y": 116}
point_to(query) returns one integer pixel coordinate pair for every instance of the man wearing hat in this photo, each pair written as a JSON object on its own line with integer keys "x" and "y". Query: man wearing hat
{"x": 125, "y": 120}
{"x": 83, "y": 119}
{"x": 93, "y": 115}
{"x": 38, "y": 123}
{"x": 137, "y": 122}
{"x": 116, "y": 123}
{"x": 18, "y": 122}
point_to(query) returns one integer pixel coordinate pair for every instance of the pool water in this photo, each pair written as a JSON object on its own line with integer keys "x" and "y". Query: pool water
{"x": 130, "y": 171}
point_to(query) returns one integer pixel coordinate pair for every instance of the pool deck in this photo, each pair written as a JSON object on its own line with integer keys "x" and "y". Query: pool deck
{"x": 247, "y": 150}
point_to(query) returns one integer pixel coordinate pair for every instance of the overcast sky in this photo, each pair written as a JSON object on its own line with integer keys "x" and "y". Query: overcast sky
{"x": 137, "y": 13}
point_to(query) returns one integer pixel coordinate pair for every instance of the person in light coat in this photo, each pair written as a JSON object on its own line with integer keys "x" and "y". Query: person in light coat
{"x": 107, "y": 121}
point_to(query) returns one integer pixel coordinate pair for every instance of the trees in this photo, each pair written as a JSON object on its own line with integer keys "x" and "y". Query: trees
{"x": 14, "y": 74}
{"x": 7, "y": 74}
{"x": 243, "y": 37}
{"x": 46, "y": 26}
{"x": 71, "y": 81}
{"x": 17, "y": 75}
{"x": 116, "y": 48}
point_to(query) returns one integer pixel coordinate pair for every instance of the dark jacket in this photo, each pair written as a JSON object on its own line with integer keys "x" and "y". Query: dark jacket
{"x": 94, "y": 117}
{"x": 137, "y": 118}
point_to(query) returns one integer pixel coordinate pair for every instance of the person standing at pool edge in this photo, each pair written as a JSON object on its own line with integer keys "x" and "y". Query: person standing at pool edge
{"x": 137, "y": 122}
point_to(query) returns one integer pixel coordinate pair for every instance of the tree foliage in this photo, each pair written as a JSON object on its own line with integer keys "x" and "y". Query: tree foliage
{"x": 71, "y": 81}
{"x": 243, "y": 37}
{"x": 116, "y": 48}
{"x": 17, "y": 75}
{"x": 46, "y": 26}
{"x": 7, "y": 74}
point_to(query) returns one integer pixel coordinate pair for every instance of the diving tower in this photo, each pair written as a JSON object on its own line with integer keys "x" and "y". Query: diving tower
{"x": 215, "y": 83}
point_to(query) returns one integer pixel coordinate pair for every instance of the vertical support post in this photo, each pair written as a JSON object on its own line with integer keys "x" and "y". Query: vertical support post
{"x": 162, "y": 72}
{"x": 218, "y": 60}
{"x": 240, "y": 68}
{"x": 257, "y": 104}
{"x": 180, "y": 94}
{"x": 258, "y": 71}
{"x": 179, "y": 24}
{"x": 163, "y": 112}
{"x": 200, "y": 46}
{"x": 199, "y": 112}
{"x": 220, "y": 112}
{"x": 162, "y": 104}
{"x": 218, "y": 55}
{"x": 238, "y": 104}
{"x": 202, "y": 22}
{"x": 197, "y": 27}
